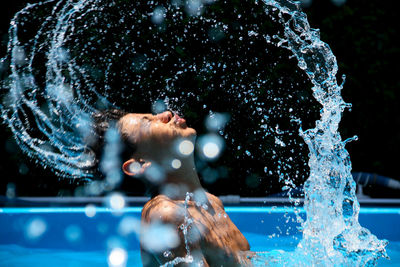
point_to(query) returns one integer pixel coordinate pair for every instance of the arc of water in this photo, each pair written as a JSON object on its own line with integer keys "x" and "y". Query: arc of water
{"x": 331, "y": 232}
{"x": 65, "y": 155}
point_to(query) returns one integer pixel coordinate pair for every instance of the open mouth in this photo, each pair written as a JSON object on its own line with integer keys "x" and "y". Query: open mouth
{"x": 165, "y": 117}
{"x": 179, "y": 121}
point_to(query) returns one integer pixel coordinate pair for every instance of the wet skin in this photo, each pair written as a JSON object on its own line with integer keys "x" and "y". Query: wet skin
{"x": 214, "y": 239}
{"x": 155, "y": 135}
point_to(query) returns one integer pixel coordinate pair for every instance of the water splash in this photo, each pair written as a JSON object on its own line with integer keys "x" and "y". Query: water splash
{"x": 332, "y": 235}
{"x": 50, "y": 115}
{"x": 184, "y": 227}
{"x": 88, "y": 55}
{"x": 47, "y": 117}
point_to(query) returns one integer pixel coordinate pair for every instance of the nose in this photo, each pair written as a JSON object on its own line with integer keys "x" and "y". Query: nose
{"x": 165, "y": 117}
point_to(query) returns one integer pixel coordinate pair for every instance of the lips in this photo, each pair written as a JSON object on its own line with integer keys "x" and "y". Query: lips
{"x": 165, "y": 117}
{"x": 179, "y": 121}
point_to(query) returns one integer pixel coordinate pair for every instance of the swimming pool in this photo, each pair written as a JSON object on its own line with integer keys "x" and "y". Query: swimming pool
{"x": 93, "y": 236}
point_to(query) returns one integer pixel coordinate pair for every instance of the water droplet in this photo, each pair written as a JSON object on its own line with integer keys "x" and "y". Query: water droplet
{"x": 186, "y": 147}
{"x": 159, "y": 237}
{"x": 117, "y": 257}
{"x": 35, "y": 228}
{"x": 338, "y": 2}
{"x": 73, "y": 233}
{"x": 116, "y": 201}
{"x": 176, "y": 163}
{"x": 135, "y": 167}
{"x": 167, "y": 254}
{"x": 129, "y": 225}
{"x": 211, "y": 146}
{"x": 216, "y": 121}
{"x": 10, "y": 193}
{"x": 211, "y": 150}
{"x": 158, "y": 15}
{"x": 90, "y": 210}
{"x": 159, "y": 106}
{"x": 155, "y": 173}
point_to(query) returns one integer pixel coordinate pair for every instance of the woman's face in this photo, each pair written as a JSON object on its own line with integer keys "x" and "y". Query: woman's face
{"x": 155, "y": 134}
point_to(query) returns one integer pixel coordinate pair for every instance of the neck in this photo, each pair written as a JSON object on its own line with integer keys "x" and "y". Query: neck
{"x": 182, "y": 180}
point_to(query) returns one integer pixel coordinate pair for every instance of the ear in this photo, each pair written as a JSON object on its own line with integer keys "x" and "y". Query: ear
{"x": 133, "y": 167}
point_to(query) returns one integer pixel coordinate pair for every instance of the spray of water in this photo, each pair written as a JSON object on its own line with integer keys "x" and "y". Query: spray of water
{"x": 50, "y": 115}
{"x": 88, "y": 55}
{"x": 332, "y": 235}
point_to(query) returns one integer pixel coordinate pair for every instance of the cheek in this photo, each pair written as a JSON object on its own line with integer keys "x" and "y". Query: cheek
{"x": 162, "y": 133}
{"x": 189, "y": 132}
{"x": 143, "y": 132}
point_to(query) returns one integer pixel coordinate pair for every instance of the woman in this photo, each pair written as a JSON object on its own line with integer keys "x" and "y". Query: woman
{"x": 161, "y": 151}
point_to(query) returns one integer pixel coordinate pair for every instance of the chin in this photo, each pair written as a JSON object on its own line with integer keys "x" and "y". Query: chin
{"x": 189, "y": 132}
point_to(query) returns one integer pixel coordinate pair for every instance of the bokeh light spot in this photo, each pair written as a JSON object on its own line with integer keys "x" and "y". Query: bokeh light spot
{"x": 176, "y": 163}
{"x": 35, "y": 228}
{"x": 90, "y": 210}
{"x": 159, "y": 237}
{"x": 116, "y": 201}
{"x": 117, "y": 257}
{"x": 211, "y": 150}
{"x": 211, "y": 146}
{"x": 186, "y": 147}
{"x": 135, "y": 167}
{"x": 73, "y": 233}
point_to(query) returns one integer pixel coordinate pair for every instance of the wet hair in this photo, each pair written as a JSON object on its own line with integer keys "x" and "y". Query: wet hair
{"x": 102, "y": 122}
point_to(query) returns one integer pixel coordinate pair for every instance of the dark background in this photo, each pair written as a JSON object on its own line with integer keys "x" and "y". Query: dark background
{"x": 362, "y": 35}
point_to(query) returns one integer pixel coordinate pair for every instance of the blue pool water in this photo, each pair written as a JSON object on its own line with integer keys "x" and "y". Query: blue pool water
{"x": 78, "y": 236}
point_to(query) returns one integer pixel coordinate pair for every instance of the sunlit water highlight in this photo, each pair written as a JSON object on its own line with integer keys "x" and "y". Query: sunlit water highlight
{"x": 50, "y": 116}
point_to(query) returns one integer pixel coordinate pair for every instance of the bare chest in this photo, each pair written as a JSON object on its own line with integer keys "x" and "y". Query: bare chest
{"x": 216, "y": 230}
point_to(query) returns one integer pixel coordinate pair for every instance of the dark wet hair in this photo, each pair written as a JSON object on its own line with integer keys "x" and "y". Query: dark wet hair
{"x": 102, "y": 122}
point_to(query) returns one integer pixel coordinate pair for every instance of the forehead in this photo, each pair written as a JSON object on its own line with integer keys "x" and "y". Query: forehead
{"x": 137, "y": 116}
{"x": 134, "y": 119}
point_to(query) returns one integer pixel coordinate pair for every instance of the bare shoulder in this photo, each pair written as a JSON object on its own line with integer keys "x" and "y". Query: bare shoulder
{"x": 214, "y": 200}
{"x": 162, "y": 208}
